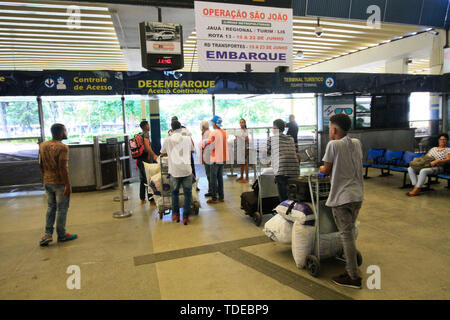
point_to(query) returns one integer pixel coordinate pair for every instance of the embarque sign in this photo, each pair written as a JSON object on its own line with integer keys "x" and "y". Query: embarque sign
{"x": 238, "y": 38}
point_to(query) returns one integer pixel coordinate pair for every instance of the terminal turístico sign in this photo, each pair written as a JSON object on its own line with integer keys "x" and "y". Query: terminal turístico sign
{"x": 238, "y": 38}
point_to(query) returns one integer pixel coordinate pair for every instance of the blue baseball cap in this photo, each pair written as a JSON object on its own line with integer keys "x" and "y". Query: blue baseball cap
{"x": 217, "y": 120}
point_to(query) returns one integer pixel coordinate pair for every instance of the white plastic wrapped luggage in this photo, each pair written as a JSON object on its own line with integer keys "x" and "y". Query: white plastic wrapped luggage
{"x": 301, "y": 212}
{"x": 302, "y": 243}
{"x": 155, "y": 184}
{"x": 151, "y": 169}
{"x": 331, "y": 244}
{"x": 279, "y": 229}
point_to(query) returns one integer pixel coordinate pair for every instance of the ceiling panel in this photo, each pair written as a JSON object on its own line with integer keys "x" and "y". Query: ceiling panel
{"x": 340, "y": 37}
{"x": 38, "y": 35}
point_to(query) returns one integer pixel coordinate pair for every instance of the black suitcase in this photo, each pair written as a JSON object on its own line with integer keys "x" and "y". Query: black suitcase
{"x": 249, "y": 202}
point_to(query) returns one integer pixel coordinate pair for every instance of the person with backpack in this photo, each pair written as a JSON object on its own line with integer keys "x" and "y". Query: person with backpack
{"x": 143, "y": 152}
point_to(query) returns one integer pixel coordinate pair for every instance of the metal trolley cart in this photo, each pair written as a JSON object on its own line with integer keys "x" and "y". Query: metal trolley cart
{"x": 165, "y": 203}
{"x": 267, "y": 198}
{"x": 319, "y": 189}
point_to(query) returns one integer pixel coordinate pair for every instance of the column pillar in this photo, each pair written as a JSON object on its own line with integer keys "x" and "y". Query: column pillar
{"x": 155, "y": 125}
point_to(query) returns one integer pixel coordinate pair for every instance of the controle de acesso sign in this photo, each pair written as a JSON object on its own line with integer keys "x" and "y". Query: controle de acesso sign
{"x": 236, "y": 38}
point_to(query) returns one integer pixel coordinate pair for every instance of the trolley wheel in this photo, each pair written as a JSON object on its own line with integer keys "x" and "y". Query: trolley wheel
{"x": 359, "y": 258}
{"x": 257, "y": 217}
{"x": 312, "y": 265}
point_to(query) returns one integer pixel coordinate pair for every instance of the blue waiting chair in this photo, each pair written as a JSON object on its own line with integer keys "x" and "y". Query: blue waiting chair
{"x": 446, "y": 175}
{"x": 389, "y": 159}
{"x": 403, "y": 164}
{"x": 372, "y": 157}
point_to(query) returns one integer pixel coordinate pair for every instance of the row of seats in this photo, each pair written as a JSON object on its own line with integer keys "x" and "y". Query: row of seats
{"x": 398, "y": 161}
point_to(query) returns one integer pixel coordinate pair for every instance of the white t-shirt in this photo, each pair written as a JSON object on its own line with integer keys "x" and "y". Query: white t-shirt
{"x": 347, "y": 172}
{"x": 439, "y": 154}
{"x": 178, "y": 149}
{"x": 242, "y": 134}
{"x": 183, "y": 131}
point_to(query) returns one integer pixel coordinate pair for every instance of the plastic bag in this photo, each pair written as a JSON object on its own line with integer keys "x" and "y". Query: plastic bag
{"x": 302, "y": 243}
{"x": 279, "y": 229}
{"x": 151, "y": 169}
{"x": 301, "y": 212}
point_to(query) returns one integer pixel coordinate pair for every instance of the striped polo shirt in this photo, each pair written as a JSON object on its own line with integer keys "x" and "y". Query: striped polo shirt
{"x": 281, "y": 148}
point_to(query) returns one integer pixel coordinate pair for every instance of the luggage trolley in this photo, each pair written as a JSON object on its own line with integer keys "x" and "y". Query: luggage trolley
{"x": 165, "y": 205}
{"x": 267, "y": 192}
{"x": 319, "y": 189}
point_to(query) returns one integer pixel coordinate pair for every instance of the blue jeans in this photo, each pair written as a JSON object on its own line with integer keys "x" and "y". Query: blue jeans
{"x": 142, "y": 178}
{"x": 282, "y": 184}
{"x": 186, "y": 183}
{"x": 217, "y": 180}
{"x": 208, "y": 176}
{"x": 58, "y": 204}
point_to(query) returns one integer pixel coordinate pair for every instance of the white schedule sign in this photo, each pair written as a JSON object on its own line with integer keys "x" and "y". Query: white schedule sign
{"x": 236, "y": 38}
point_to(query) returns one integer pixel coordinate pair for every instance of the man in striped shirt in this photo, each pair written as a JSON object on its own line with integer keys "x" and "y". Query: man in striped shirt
{"x": 285, "y": 159}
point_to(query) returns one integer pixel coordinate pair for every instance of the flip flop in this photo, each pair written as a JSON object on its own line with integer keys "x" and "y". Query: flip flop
{"x": 412, "y": 195}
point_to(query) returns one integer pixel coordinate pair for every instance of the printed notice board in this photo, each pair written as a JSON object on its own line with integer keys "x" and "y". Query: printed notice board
{"x": 239, "y": 38}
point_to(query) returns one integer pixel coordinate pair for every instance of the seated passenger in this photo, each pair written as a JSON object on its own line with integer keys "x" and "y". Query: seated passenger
{"x": 441, "y": 154}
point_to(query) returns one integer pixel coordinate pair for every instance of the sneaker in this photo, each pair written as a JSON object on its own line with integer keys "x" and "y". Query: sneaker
{"x": 68, "y": 237}
{"x": 45, "y": 240}
{"x": 186, "y": 221}
{"x": 345, "y": 281}
{"x": 212, "y": 201}
{"x": 221, "y": 200}
{"x": 176, "y": 217}
{"x": 208, "y": 194}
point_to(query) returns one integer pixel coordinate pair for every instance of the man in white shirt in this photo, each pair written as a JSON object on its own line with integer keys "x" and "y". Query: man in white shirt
{"x": 178, "y": 148}
{"x": 343, "y": 159}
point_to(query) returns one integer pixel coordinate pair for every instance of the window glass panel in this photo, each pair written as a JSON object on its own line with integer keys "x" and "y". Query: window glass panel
{"x": 189, "y": 109}
{"x": 363, "y": 115}
{"x": 84, "y": 117}
{"x": 19, "y": 118}
{"x": 419, "y": 106}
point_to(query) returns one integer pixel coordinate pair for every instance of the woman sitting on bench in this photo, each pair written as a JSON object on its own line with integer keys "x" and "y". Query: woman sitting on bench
{"x": 441, "y": 154}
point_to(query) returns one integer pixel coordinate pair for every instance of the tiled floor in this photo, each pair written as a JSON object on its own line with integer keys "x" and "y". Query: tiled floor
{"x": 226, "y": 256}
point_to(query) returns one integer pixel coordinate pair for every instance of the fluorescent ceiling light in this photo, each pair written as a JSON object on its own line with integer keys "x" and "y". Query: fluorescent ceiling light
{"x": 26, "y": 35}
{"x": 70, "y": 32}
{"x": 47, "y": 5}
{"x": 17, "y": 40}
{"x": 49, "y": 13}
{"x": 17, "y": 46}
{"x": 52, "y": 20}
{"x": 53, "y": 25}
{"x": 319, "y": 39}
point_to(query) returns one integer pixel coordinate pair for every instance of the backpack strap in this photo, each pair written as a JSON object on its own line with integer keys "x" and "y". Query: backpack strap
{"x": 291, "y": 206}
